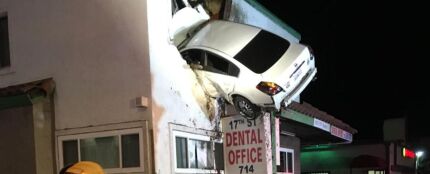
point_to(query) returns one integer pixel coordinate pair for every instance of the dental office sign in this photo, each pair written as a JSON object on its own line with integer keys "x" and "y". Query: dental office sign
{"x": 247, "y": 145}
{"x": 340, "y": 133}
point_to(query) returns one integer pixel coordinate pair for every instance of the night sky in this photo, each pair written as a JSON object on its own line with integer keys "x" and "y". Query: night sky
{"x": 371, "y": 57}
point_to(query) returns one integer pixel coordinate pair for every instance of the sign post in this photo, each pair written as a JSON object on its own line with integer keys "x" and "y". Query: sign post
{"x": 274, "y": 122}
{"x": 247, "y": 145}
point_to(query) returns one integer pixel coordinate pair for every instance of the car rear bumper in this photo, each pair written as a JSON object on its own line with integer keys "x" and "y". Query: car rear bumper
{"x": 284, "y": 99}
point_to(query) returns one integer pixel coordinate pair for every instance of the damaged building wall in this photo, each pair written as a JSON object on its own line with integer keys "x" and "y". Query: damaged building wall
{"x": 99, "y": 56}
{"x": 178, "y": 97}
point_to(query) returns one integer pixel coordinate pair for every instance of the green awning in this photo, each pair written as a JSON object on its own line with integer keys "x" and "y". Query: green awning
{"x": 14, "y": 101}
{"x": 25, "y": 94}
{"x": 314, "y": 126}
{"x": 296, "y": 116}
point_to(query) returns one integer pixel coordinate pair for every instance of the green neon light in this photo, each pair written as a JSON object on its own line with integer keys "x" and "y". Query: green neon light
{"x": 325, "y": 159}
{"x": 317, "y": 147}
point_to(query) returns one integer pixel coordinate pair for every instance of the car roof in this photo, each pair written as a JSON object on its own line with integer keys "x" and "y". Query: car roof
{"x": 227, "y": 37}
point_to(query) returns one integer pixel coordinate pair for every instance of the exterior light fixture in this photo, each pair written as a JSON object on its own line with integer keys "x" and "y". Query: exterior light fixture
{"x": 419, "y": 154}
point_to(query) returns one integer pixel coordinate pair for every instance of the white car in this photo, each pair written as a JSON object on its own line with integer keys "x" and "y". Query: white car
{"x": 250, "y": 67}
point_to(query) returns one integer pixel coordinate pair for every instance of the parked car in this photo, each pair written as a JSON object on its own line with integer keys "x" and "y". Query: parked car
{"x": 251, "y": 68}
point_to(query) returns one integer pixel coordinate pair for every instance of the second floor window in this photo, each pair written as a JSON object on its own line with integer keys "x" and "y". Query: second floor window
{"x": 4, "y": 42}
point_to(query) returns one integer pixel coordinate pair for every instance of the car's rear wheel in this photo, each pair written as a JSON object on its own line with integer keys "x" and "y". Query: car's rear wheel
{"x": 246, "y": 108}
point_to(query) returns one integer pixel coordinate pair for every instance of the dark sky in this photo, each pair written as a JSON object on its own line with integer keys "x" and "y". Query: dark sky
{"x": 371, "y": 58}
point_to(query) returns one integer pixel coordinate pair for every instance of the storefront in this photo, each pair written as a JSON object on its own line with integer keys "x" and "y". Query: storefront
{"x": 303, "y": 125}
{"x": 358, "y": 158}
{"x": 248, "y": 145}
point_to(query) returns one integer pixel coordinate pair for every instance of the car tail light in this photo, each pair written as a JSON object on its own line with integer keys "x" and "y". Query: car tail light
{"x": 269, "y": 88}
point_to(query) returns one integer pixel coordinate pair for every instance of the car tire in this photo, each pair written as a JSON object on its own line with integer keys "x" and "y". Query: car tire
{"x": 247, "y": 109}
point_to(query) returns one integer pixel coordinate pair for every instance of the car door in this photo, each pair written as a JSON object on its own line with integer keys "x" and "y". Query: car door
{"x": 220, "y": 72}
{"x": 216, "y": 75}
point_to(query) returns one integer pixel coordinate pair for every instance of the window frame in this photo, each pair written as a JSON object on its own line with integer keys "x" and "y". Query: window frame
{"x": 229, "y": 67}
{"x": 376, "y": 171}
{"x": 287, "y": 150}
{"x": 118, "y": 133}
{"x": 4, "y": 15}
{"x": 204, "y": 59}
{"x": 251, "y": 59}
{"x": 187, "y": 135}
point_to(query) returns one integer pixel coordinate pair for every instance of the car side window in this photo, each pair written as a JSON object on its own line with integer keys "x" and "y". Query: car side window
{"x": 219, "y": 65}
{"x": 193, "y": 56}
{"x": 233, "y": 70}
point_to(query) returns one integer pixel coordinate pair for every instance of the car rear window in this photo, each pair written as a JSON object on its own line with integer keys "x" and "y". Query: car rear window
{"x": 262, "y": 52}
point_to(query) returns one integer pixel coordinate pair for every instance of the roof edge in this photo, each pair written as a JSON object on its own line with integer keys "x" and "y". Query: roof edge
{"x": 275, "y": 19}
{"x": 314, "y": 112}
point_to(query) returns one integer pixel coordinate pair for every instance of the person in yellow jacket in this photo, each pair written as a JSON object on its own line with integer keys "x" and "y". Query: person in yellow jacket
{"x": 83, "y": 167}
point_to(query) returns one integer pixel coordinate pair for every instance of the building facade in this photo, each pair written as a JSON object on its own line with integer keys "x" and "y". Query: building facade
{"x": 101, "y": 80}
{"x": 93, "y": 56}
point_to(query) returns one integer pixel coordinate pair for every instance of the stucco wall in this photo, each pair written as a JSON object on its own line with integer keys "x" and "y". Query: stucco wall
{"x": 96, "y": 51}
{"x": 43, "y": 137}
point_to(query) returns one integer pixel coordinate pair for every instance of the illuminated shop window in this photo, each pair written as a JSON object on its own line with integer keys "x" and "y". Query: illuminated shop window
{"x": 116, "y": 151}
{"x": 376, "y": 172}
{"x": 287, "y": 161}
{"x": 193, "y": 153}
{"x": 4, "y": 41}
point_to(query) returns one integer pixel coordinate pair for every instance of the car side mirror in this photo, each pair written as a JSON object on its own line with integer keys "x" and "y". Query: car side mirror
{"x": 196, "y": 66}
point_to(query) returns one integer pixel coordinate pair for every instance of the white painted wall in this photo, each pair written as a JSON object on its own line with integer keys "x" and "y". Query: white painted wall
{"x": 243, "y": 12}
{"x": 177, "y": 96}
{"x": 95, "y": 50}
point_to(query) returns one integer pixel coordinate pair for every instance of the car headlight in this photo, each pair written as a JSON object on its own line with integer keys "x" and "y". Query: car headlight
{"x": 269, "y": 88}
